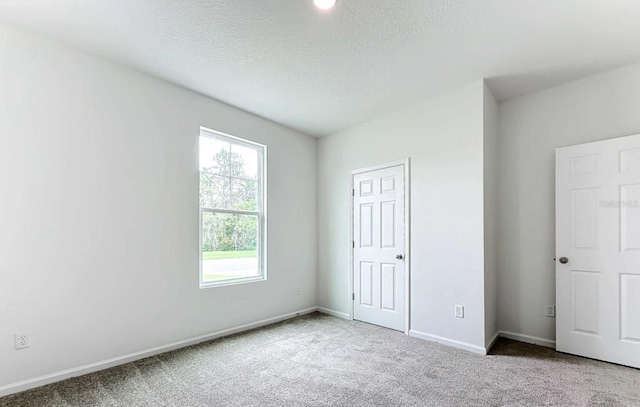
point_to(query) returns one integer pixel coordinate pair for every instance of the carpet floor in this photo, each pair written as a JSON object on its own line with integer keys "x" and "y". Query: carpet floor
{"x": 318, "y": 360}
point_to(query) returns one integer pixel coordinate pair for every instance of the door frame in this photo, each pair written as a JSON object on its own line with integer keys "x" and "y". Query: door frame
{"x": 407, "y": 234}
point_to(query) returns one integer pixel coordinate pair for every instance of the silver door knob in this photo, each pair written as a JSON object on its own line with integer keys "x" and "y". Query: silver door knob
{"x": 399, "y": 257}
{"x": 564, "y": 260}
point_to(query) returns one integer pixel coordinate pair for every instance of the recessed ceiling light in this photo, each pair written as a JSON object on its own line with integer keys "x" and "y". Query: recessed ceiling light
{"x": 324, "y": 4}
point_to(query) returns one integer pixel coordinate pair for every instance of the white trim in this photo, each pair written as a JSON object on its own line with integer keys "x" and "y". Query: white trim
{"x": 407, "y": 243}
{"x": 230, "y": 211}
{"x": 449, "y": 342}
{"x": 217, "y": 134}
{"x": 528, "y": 339}
{"x": 232, "y": 281}
{"x": 492, "y": 342}
{"x": 406, "y": 163}
{"x": 334, "y": 313}
{"x": 131, "y": 357}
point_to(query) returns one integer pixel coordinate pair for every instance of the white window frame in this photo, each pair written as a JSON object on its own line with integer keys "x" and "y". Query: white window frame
{"x": 261, "y": 213}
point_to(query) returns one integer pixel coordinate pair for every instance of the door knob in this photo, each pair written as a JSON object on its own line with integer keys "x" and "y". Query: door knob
{"x": 399, "y": 257}
{"x": 564, "y": 260}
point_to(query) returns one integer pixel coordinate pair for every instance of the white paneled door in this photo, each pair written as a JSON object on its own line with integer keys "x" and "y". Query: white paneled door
{"x": 379, "y": 247}
{"x": 598, "y": 250}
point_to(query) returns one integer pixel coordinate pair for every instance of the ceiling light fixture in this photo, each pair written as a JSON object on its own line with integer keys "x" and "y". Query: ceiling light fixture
{"x": 324, "y": 4}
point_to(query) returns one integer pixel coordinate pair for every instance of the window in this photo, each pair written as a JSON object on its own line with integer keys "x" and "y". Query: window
{"x": 232, "y": 209}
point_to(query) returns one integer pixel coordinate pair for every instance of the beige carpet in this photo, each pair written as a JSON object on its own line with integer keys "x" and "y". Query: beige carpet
{"x": 321, "y": 360}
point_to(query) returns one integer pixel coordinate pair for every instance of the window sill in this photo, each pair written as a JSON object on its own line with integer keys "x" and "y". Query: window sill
{"x": 235, "y": 281}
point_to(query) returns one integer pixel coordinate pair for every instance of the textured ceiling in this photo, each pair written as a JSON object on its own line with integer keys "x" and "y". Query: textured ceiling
{"x": 320, "y": 72}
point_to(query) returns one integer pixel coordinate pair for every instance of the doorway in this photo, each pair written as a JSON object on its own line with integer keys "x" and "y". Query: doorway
{"x": 380, "y": 245}
{"x": 598, "y": 250}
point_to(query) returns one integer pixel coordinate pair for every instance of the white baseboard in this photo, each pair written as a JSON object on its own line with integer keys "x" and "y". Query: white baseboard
{"x": 492, "y": 342}
{"x": 131, "y": 357}
{"x": 449, "y": 342}
{"x": 334, "y": 313}
{"x": 528, "y": 339}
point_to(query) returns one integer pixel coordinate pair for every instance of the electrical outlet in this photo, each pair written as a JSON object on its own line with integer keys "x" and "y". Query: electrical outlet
{"x": 298, "y": 291}
{"x": 551, "y": 311}
{"x": 23, "y": 340}
{"x": 459, "y": 311}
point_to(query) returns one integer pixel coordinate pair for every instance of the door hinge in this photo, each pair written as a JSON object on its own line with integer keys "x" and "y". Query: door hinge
{"x": 353, "y": 192}
{"x": 353, "y": 296}
{"x": 353, "y": 244}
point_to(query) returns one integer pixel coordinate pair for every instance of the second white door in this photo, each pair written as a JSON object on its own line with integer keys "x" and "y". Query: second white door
{"x": 379, "y": 247}
{"x": 598, "y": 249}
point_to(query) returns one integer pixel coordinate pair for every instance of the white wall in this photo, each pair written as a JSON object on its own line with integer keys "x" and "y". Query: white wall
{"x": 99, "y": 211}
{"x": 491, "y": 213}
{"x": 530, "y": 129}
{"x": 444, "y": 139}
